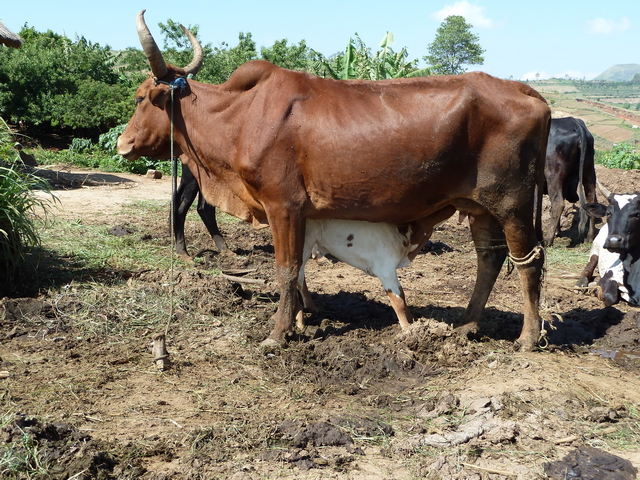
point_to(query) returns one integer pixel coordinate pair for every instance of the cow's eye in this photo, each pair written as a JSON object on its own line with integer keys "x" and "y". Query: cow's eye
{"x": 138, "y": 100}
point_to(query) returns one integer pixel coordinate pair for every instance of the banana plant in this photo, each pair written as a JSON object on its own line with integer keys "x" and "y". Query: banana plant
{"x": 358, "y": 62}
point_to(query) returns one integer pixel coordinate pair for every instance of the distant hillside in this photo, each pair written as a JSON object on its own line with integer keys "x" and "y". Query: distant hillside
{"x": 620, "y": 73}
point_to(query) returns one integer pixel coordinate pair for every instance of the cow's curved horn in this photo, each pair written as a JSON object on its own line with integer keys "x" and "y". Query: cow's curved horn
{"x": 198, "y": 55}
{"x": 150, "y": 48}
{"x": 607, "y": 194}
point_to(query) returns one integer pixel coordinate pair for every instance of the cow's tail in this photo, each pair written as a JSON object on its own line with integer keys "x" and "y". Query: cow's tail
{"x": 539, "y": 190}
{"x": 584, "y": 216}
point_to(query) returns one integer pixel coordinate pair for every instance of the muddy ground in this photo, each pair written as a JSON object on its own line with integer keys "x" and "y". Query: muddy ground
{"x": 350, "y": 397}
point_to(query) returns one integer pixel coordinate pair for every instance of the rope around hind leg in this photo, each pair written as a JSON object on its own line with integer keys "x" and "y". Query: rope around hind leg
{"x": 533, "y": 255}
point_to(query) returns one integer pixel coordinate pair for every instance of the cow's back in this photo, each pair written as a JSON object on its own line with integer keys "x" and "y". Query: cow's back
{"x": 369, "y": 150}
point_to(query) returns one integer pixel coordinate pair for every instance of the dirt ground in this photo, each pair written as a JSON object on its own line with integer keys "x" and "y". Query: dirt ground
{"x": 351, "y": 397}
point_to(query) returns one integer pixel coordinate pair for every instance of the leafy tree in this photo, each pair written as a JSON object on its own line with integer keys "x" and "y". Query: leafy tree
{"x": 454, "y": 46}
{"x": 93, "y": 106}
{"x": 293, "y": 57}
{"x": 48, "y": 70}
{"x": 223, "y": 60}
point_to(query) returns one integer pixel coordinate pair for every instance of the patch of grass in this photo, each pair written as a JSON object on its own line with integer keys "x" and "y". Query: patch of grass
{"x": 98, "y": 160}
{"x": 626, "y": 435}
{"x": 238, "y": 435}
{"x": 570, "y": 258}
{"x": 19, "y": 232}
{"x": 21, "y": 458}
{"x": 92, "y": 247}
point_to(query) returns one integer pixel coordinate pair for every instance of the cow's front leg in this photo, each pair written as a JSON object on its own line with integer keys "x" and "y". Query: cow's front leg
{"x": 288, "y": 241}
{"x": 586, "y": 276}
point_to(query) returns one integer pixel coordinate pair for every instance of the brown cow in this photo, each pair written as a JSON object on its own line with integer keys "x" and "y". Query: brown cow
{"x": 409, "y": 152}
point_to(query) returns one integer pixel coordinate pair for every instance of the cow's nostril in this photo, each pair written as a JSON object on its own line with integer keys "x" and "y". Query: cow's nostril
{"x": 613, "y": 242}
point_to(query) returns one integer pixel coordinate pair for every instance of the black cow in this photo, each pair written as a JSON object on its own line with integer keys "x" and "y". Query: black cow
{"x": 569, "y": 172}
{"x": 183, "y": 197}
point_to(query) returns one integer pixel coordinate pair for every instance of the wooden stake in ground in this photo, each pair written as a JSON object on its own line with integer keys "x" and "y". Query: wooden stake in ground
{"x": 160, "y": 354}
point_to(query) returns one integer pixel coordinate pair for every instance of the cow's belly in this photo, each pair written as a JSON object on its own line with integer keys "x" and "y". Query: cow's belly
{"x": 383, "y": 195}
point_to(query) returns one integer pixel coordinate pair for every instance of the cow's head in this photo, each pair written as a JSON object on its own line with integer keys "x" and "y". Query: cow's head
{"x": 623, "y": 221}
{"x": 148, "y": 131}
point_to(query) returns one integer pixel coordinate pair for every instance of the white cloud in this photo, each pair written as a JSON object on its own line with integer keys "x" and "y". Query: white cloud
{"x": 474, "y": 14}
{"x": 604, "y": 26}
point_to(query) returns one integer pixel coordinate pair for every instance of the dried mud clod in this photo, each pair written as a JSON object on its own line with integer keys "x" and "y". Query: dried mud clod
{"x": 57, "y": 448}
{"x": 590, "y": 463}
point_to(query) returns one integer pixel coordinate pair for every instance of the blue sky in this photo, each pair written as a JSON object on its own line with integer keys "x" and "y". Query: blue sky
{"x": 579, "y": 38}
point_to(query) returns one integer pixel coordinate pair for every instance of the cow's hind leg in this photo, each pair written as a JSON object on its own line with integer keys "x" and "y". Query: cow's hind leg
{"x": 399, "y": 304}
{"x": 386, "y": 273}
{"x": 491, "y": 252}
{"x": 303, "y": 290}
{"x": 557, "y": 207}
{"x": 528, "y": 258}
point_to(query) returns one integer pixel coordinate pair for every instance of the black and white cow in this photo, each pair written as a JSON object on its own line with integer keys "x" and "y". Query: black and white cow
{"x": 616, "y": 250}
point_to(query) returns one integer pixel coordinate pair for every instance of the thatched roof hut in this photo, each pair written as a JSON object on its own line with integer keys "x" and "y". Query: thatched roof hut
{"x": 8, "y": 38}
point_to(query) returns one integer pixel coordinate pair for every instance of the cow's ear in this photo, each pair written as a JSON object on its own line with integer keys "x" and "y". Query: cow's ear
{"x": 595, "y": 210}
{"x": 159, "y": 96}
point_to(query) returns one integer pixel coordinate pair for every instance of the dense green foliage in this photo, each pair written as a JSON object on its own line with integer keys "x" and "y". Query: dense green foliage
{"x": 622, "y": 155}
{"x": 53, "y": 82}
{"x": 453, "y": 47}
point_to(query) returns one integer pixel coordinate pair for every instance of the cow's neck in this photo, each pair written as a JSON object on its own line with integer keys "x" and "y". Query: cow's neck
{"x": 207, "y": 134}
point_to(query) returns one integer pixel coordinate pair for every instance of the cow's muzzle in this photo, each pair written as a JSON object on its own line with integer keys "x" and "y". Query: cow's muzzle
{"x": 615, "y": 244}
{"x": 125, "y": 149}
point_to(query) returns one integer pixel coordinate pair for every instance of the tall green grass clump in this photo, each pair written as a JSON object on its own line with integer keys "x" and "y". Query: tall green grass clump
{"x": 18, "y": 233}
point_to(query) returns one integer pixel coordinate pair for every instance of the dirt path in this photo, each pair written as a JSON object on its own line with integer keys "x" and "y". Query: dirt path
{"x": 89, "y": 192}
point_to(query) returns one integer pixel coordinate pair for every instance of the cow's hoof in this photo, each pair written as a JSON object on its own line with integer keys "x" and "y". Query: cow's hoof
{"x": 526, "y": 345}
{"x": 467, "y": 330}
{"x": 185, "y": 257}
{"x": 271, "y": 343}
{"x": 300, "y": 321}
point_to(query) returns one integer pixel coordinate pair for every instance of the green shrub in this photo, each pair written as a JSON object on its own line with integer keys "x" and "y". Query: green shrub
{"x": 622, "y": 155}
{"x": 108, "y": 141}
{"x": 81, "y": 145}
